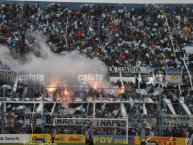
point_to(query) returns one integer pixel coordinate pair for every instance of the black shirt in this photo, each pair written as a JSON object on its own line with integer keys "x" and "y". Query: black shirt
{"x": 36, "y": 94}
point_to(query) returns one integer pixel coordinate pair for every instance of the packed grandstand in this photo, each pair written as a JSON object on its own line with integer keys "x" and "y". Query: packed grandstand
{"x": 120, "y": 36}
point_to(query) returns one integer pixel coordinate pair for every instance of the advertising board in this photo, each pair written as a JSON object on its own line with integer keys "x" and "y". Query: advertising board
{"x": 14, "y": 138}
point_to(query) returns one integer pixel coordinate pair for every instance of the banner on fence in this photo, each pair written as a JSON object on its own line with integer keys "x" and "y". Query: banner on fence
{"x": 149, "y": 120}
{"x": 88, "y": 122}
{"x": 60, "y": 138}
{"x": 163, "y": 140}
{"x": 46, "y": 137}
{"x": 162, "y": 76}
{"x": 118, "y": 139}
{"x": 36, "y": 119}
{"x": 14, "y": 138}
{"x": 6, "y": 70}
{"x": 177, "y": 120}
{"x": 33, "y": 119}
{"x": 69, "y": 138}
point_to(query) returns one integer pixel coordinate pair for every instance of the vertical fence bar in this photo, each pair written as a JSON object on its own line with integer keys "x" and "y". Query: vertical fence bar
{"x": 121, "y": 113}
{"x": 99, "y": 32}
{"x": 3, "y": 124}
{"x": 43, "y": 113}
{"x": 101, "y": 105}
{"x": 127, "y": 129}
{"x": 63, "y": 97}
{"x": 82, "y": 110}
{"x": 179, "y": 107}
{"x": 160, "y": 125}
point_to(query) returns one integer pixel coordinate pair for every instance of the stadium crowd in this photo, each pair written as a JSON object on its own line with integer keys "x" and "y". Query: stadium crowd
{"x": 119, "y": 36}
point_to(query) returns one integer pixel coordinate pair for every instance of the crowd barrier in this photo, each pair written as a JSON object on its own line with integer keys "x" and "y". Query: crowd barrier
{"x": 164, "y": 140}
{"x": 59, "y": 138}
{"x": 70, "y": 138}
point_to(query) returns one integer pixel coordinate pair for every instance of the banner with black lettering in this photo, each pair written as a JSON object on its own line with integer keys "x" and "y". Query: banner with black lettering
{"x": 6, "y": 70}
{"x": 87, "y": 122}
{"x": 149, "y": 120}
{"x": 138, "y": 120}
{"x": 36, "y": 120}
{"x": 169, "y": 120}
{"x": 33, "y": 119}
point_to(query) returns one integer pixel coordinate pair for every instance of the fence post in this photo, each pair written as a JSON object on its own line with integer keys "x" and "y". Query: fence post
{"x": 82, "y": 110}
{"x": 121, "y": 113}
{"x": 101, "y": 108}
{"x": 99, "y": 31}
{"x": 160, "y": 124}
{"x": 3, "y": 124}
{"x": 43, "y": 113}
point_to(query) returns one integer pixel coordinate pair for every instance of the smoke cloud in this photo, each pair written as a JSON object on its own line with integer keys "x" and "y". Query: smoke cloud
{"x": 59, "y": 70}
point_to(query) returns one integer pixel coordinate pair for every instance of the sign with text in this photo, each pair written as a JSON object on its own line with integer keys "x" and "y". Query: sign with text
{"x": 87, "y": 122}
{"x": 33, "y": 119}
{"x": 177, "y": 120}
{"x": 118, "y": 139}
{"x": 36, "y": 119}
{"x": 137, "y": 120}
{"x": 14, "y": 138}
{"x": 70, "y": 138}
{"x": 38, "y": 141}
{"x": 46, "y": 138}
{"x": 149, "y": 120}
{"x": 6, "y": 70}
{"x": 59, "y": 138}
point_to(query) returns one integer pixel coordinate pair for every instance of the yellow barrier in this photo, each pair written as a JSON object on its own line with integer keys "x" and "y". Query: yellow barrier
{"x": 164, "y": 140}
{"x": 74, "y": 138}
{"x": 60, "y": 138}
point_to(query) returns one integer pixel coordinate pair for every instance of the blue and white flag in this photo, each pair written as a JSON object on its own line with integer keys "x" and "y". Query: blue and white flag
{"x": 7, "y": 87}
{"x": 103, "y": 107}
{"x": 20, "y": 107}
{"x": 142, "y": 92}
{"x": 80, "y": 108}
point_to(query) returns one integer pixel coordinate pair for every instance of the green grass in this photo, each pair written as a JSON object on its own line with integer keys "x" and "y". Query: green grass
{"x": 55, "y": 144}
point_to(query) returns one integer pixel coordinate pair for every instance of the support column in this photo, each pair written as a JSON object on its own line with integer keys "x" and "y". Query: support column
{"x": 94, "y": 108}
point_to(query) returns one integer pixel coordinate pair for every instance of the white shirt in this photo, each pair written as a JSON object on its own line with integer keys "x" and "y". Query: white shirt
{"x": 187, "y": 134}
{"x": 54, "y": 133}
{"x": 152, "y": 133}
{"x": 20, "y": 121}
{"x": 174, "y": 98}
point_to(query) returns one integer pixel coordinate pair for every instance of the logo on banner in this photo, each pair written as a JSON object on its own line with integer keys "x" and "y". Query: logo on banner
{"x": 58, "y": 139}
{"x": 31, "y": 77}
{"x": 91, "y": 78}
{"x": 43, "y": 137}
{"x": 111, "y": 139}
{"x": 163, "y": 140}
{"x": 77, "y": 139}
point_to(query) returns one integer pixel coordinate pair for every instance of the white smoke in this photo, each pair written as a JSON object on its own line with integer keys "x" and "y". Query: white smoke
{"x": 59, "y": 70}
